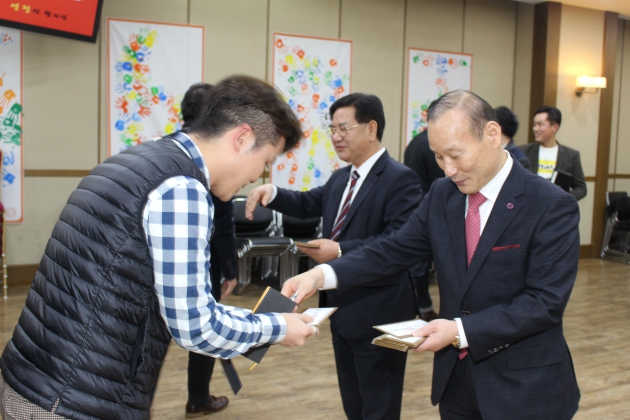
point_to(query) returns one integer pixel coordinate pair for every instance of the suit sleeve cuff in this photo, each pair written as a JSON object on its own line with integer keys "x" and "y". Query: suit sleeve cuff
{"x": 273, "y": 194}
{"x": 462, "y": 334}
{"x": 330, "y": 278}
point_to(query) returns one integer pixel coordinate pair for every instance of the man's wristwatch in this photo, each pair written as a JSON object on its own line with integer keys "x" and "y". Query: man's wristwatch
{"x": 457, "y": 343}
{"x": 339, "y": 253}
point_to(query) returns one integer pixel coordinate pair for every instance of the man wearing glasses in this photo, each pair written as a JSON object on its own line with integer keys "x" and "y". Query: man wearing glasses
{"x": 371, "y": 197}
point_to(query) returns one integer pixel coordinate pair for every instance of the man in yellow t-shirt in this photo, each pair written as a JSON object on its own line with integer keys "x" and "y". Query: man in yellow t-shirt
{"x": 546, "y": 155}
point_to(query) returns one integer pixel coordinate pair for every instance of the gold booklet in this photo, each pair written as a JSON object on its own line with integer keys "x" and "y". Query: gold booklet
{"x": 398, "y": 335}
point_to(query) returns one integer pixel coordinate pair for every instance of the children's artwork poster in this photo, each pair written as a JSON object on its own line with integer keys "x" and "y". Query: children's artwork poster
{"x": 311, "y": 73}
{"x": 11, "y": 124}
{"x": 431, "y": 74}
{"x": 150, "y": 67}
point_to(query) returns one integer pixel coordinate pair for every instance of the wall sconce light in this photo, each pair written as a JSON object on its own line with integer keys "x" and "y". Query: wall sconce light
{"x": 594, "y": 83}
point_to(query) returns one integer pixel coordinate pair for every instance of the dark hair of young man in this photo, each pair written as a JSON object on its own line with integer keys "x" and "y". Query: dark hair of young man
{"x": 246, "y": 100}
{"x": 507, "y": 120}
{"x": 554, "y": 116}
{"x": 366, "y": 109}
{"x": 477, "y": 109}
{"x": 194, "y": 102}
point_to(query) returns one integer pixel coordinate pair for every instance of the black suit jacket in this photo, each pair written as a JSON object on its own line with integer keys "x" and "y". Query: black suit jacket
{"x": 388, "y": 196}
{"x": 420, "y": 158}
{"x": 568, "y": 161}
{"x": 511, "y": 299}
{"x": 518, "y": 155}
{"x": 223, "y": 258}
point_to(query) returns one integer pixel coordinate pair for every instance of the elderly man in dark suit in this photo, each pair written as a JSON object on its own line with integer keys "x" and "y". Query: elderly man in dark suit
{"x": 372, "y": 197}
{"x": 547, "y": 154}
{"x": 506, "y": 245}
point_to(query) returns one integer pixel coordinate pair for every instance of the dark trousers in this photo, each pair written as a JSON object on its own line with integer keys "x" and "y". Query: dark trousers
{"x": 199, "y": 374}
{"x": 459, "y": 401}
{"x": 420, "y": 279}
{"x": 370, "y": 378}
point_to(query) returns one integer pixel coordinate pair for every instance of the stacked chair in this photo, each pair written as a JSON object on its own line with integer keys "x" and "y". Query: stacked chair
{"x": 300, "y": 230}
{"x": 616, "y": 244}
{"x": 259, "y": 238}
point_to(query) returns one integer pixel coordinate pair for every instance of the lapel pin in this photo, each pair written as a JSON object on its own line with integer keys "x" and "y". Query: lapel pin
{"x": 510, "y": 206}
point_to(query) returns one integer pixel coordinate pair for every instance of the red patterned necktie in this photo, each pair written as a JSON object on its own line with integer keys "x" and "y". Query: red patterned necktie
{"x": 473, "y": 224}
{"x": 473, "y": 233}
{"x": 344, "y": 210}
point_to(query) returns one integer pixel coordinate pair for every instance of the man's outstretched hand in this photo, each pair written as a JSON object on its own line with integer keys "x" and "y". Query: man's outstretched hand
{"x": 305, "y": 284}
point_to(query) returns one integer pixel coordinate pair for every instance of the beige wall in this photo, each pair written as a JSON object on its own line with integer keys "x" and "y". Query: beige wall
{"x": 581, "y": 52}
{"x": 64, "y": 81}
{"x": 523, "y": 68}
{"x": 620, "y": 143}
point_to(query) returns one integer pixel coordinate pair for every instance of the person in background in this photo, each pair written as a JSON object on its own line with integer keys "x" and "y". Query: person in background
{"x": 506, "y": 246}
{"x": 420, "y": 158}
{"x": 509, "y": 126}
{"x": 127, "y": 267}
{"x": 223, "y": 271}
{"x": 369, "y": 198}
{"x": 547, "y": 155}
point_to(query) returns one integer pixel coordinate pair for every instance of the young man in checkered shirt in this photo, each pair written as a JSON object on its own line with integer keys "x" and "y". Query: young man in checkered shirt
{"x": 127, "y": 267}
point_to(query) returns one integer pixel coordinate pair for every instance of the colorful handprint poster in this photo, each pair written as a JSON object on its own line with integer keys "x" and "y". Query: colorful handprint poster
{"x": 150, "y": 67}
{"x": 312, "y": 73}
{"x": 430, "y": 74}
{"x": 11, "y": 124}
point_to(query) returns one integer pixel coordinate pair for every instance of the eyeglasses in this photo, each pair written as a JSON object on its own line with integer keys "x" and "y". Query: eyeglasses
{"x": 342, "y": 131}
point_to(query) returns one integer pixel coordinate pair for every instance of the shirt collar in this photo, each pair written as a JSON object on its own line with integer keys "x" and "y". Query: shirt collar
{"x": 492, "y": 189}
{"x": 366, "y": 166}
{"x": 193, "y": 152}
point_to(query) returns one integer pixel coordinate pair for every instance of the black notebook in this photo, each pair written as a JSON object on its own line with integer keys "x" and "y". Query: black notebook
{"x": 270, "y": 301}
{"x": 562, "y": 179}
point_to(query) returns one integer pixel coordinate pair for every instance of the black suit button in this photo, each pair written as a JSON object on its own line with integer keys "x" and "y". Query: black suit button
{"x": 490, "y": 351}
{"x": 507, "y": 345}
{"x": 466, "y": 311}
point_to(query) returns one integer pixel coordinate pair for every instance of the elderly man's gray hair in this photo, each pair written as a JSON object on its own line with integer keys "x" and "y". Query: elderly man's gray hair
{"x": 479, "y": 111}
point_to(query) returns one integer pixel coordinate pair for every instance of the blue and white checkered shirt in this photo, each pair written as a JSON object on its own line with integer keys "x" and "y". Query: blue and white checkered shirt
{"x": 177, "y": 221}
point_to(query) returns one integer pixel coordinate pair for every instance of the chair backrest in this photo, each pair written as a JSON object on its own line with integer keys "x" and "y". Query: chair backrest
{"x": 623, "y": 209}
{"x": 612, "y": 197}
{"x": 262, "y": 225}
{"x": 294, "y": 227}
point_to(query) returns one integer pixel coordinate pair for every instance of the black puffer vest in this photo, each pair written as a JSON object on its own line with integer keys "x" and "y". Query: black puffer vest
{"x": 91, "y": 334}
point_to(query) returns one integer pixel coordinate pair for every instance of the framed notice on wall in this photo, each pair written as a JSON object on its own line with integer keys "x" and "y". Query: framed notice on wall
{"x": 75, "y": 19}
{"x": 150, "y": 66}
{"x": 430, "y": 74}
{"x": 312, "y": 73}
{"x": 11, "y": 124}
